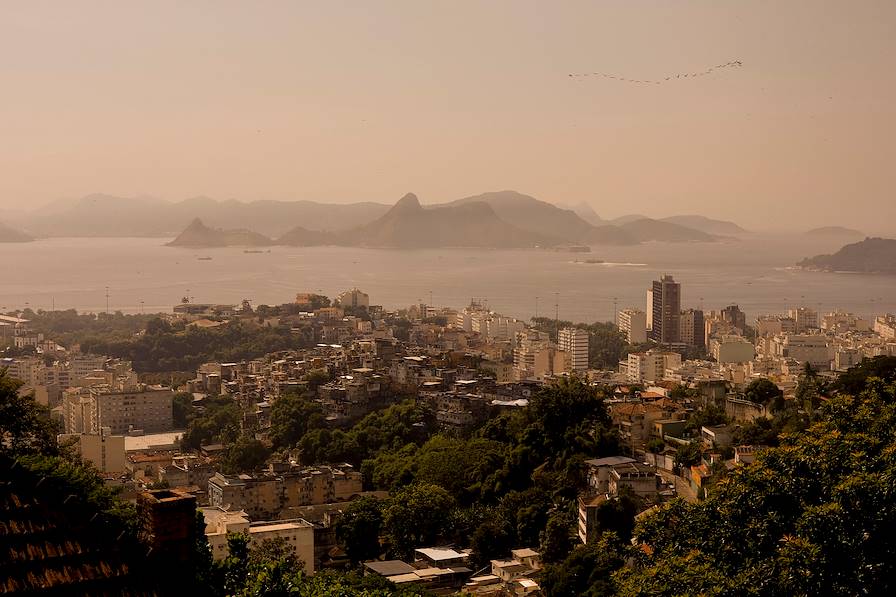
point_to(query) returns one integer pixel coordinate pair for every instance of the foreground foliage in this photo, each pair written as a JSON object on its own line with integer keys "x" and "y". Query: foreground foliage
{"x": 816, "y": 515}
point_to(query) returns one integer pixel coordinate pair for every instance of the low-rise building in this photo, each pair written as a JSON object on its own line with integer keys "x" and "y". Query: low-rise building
{"x": 122, "y": 408}
{"x": 353, "y": 299}
{"x": 650, "y": 366}
{"x": 732, "y": 349}
{"x": 814, "y": 349}
{"x": 885, "y": 326}
{"x": 104, "y": 450}
{"x": 264, "y": 496}
{"x": 633, "y": 323}
{"x": 296, "y": 534}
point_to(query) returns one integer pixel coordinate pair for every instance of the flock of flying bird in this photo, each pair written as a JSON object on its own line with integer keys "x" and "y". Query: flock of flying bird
{"x": 708, "y": 71}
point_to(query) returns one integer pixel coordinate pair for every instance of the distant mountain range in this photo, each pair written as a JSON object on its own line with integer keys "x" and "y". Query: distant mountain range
{"x": 407, "y": 225}
{"x": 695, "y": 222}
{"x": 872, "y": 255}
{"x": 11, "y": 235}
{"x": 495, "y": 219}
{"x": 646, "y": 229}
{"x": 106, "y": 215}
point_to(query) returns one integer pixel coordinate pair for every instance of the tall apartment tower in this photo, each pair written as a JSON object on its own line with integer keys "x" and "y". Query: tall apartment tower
{"x": 574, "y": 341}
{"x": 692, "y": 328}
{"x": 633, "y": 323}
{"x": 666, "y": 310}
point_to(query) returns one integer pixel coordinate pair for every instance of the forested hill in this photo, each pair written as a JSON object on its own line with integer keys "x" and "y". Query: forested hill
{"x": 872, "y": 255}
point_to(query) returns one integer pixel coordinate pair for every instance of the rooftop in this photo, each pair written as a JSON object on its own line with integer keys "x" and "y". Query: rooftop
{"x": 267, "y": 527}
{"x": 153, "y": 441}
{"x": 389, "y": 567}
{"x": 609, "y": 461}
{"x": 440, "y": 553}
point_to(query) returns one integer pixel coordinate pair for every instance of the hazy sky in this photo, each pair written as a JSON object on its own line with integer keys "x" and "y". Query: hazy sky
{"x": 347, "y": 101}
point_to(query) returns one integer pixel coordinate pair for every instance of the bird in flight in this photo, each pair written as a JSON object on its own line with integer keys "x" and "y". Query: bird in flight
{"x": 703, "y": 73}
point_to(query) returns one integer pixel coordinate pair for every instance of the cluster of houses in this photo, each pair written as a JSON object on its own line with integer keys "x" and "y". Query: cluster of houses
{"x": 463, "y": 367}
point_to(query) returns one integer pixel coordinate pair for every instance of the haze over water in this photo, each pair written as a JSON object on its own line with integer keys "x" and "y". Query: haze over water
{"x": 754, "y": 273}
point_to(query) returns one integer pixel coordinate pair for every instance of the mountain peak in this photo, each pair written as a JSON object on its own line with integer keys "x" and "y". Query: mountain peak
{"x": 409, "y": 201}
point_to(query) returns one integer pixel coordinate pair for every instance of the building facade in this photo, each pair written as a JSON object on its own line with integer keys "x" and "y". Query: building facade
{"x": 665, "y": 298}
{"x": 574, "y": 341}
{"x": 104, "y": 450}
{"x": 122, "y": 410}
{"x": 692, "y": 328}
{"x": 633, "y": 323}
{"x": 353, "y": 298}
{"x": 297, "y": 534}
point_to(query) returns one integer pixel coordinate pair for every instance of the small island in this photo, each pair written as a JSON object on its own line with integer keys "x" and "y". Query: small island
{"x": 199, "y": 235}
{"x": 872, "y": 255}
{"x": 830, "y": 231}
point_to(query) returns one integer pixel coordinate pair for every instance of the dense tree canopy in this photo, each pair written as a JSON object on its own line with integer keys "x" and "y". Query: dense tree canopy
{"x": 217, "y": 422}
{"x": 25, "y": 425}
{"x": 269, "y": 570}
{"x": 166, "y": 347}
{"x": 244, "y": 455}
{"x": 359, "y": 527}
{"x": 416, "y": 515}
{"x": 292, "y": 416}
{"x": 765, "y": 392}
{"x": 814, "y": 516}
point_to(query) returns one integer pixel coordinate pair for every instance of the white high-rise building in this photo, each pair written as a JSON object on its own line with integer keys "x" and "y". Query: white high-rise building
{"x": 649, "y": 310}
{"x": 575, "y": 342}
{"x": 633, "y": 323}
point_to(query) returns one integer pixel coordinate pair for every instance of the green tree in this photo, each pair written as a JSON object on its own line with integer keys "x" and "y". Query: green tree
{"x": 25, "y": 425}
{"x": 292, "y": 416}
{"x": 557, "y": 537}
{"x": 689, "y": 454}
{"x": 491, "y": 540}
{"x": 587, "y": 570}
{"x": 182, "y": 409}
{"x": 219, "y": 421}
{"x": 359, "y": 528}
{"x": 416, "y": 516}
{"x": 617, "y": 515}
{"x": 763, "y": 391}
{"x": 245, "y": 455}
{"x": 707, "y": 416}
{"x": 656, "y": 446}
{"x": 813, "y": 516}
{"x": 316, "y": 378}
{"x": 856, "y": 379}
{"x": 808, "y": 388}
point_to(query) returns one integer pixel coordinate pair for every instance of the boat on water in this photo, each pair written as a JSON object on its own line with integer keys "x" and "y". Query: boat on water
{"x": 204, "y": 258}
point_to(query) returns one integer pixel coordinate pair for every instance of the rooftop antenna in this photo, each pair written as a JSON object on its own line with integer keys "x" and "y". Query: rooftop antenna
{"x": 536, "y": 307}
{"x": 615, "y": 311}
{"x": 557, "y": 307}
{"x": 107, "y": 300}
